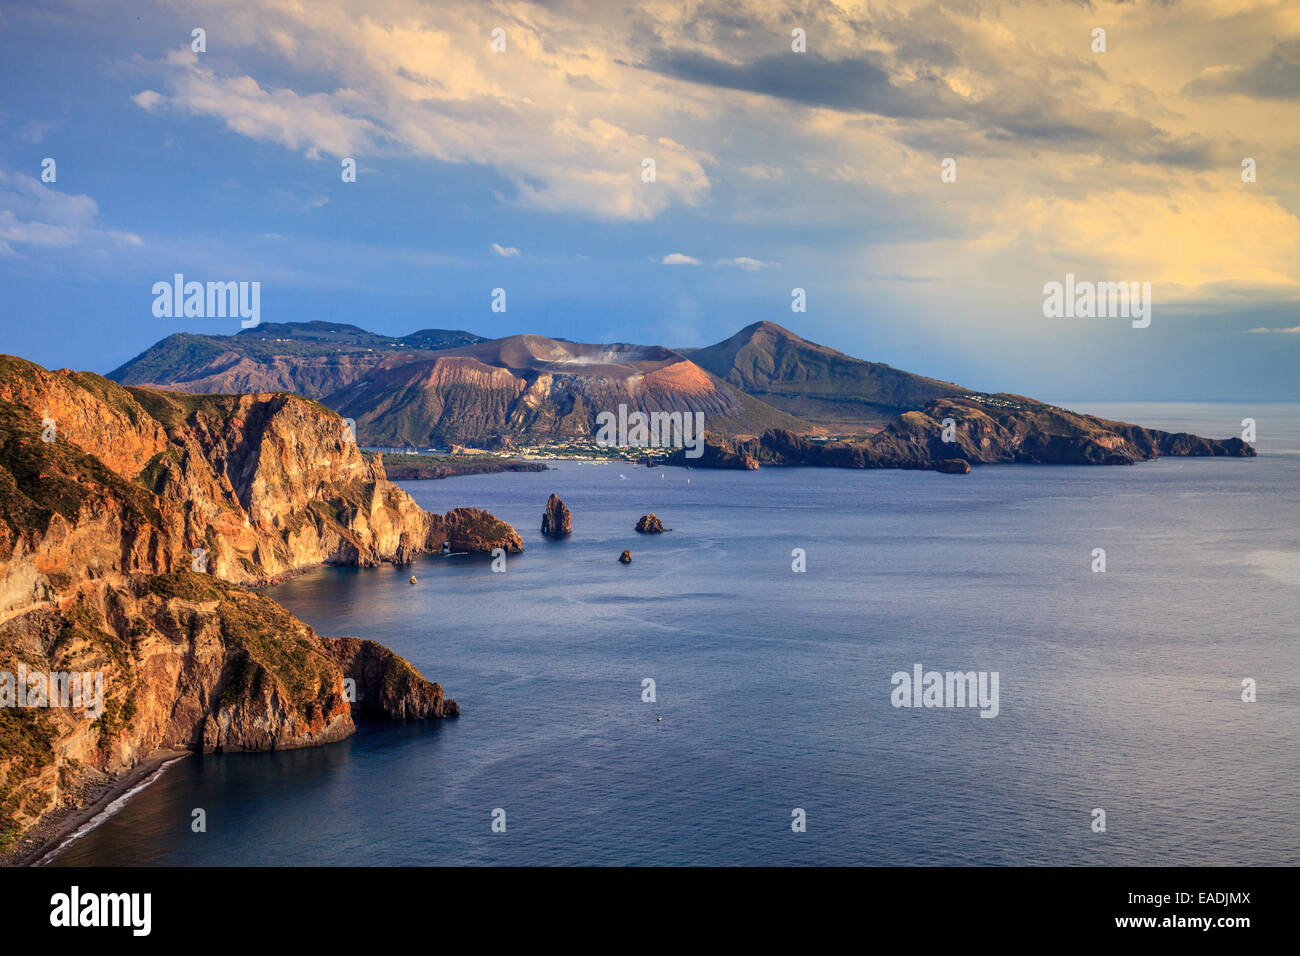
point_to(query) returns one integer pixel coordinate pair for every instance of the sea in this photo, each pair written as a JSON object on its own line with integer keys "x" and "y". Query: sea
{"x": 709, "y": 704}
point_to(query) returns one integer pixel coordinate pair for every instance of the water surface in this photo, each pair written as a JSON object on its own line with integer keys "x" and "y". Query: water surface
{"x": 1118, "y": 690}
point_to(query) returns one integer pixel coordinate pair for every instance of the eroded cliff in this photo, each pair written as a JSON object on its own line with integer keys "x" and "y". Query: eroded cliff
{"x": 129, "y": 518}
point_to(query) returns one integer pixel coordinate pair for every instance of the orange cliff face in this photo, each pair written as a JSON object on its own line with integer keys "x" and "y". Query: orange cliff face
{"x": 128, "y": 520}
{"x": 259, "y": 484}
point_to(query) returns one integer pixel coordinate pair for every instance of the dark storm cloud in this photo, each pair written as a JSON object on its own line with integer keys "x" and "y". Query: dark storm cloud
{"x": 1041, "y": 118}
{"x": 857, "y": 84}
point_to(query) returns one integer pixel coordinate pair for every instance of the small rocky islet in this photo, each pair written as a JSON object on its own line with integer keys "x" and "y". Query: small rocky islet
{"x": 556, "y": 520}
{"x": 650, "y": 524}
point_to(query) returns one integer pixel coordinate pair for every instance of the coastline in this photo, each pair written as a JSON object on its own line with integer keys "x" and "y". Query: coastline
{"x": 61, "y": 826}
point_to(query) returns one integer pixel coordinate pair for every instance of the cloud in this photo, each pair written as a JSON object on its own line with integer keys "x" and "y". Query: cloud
{"x": 1294, "y": 330}
{"x": 1055, "y": 145}
{"x": 857, "y": 84}
{"x": 505, "y": 252}
{"x": 1274, "y": 77}
{"x": 679, "y": 259}
{"x": 748, "y": 264}
{"x": 314, "y": 123}
{"x": 553, "y": 115}
{"x": 148, "y": 100}
{"x": 33, "y": 213}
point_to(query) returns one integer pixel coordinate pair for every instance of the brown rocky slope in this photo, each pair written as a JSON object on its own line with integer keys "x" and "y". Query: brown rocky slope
{"x": 128, "y": 520}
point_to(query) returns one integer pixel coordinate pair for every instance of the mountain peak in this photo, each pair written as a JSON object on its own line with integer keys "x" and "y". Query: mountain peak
{"x": 769, "y": 327}
{"x": 815, "y": 382}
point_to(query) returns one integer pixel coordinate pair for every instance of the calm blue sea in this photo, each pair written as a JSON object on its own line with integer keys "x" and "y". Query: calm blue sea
{"x": 1118, "y": 690}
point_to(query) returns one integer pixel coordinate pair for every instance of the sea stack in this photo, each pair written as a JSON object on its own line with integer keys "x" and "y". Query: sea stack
{"x": 650, "y": 524}
{"x": 625, "y": 557}
{"x": 556, "y": 519}
{"x": 953, "y": 466}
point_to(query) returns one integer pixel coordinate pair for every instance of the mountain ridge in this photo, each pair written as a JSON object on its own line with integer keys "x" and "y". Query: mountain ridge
{"x": 762, "y": 381}
{"x": 815, "y": 382}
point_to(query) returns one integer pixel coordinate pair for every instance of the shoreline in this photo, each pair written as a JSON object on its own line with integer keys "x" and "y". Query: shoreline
{"x": 57, "y": 829}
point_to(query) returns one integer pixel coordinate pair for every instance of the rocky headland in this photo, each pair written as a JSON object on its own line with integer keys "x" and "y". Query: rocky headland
{"x": 426, "y": 467}
{"x": 130, "y": 522}
{"x": 982, "y": 429}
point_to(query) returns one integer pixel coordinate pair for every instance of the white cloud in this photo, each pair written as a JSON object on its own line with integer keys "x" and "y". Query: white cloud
{"x": 748, "y": 264}
{"x": 679, "y": 259}
{"x": 147, "y": 100}
{"x": 389, "y": 78}
{"x": 33, "y": 213}
{"x": 1294, "y": 330}
{"x": 505, "y": 252}
{"x": 314, "y": 123}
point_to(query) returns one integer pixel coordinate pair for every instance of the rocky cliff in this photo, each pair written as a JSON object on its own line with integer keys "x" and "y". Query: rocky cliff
{"x": 387, "y": 685}
{"x": 247, "y": 486}
{"x": 128, "y": 520}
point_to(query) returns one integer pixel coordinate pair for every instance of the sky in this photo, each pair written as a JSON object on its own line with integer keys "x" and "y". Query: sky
{"x": 775, "y": 168}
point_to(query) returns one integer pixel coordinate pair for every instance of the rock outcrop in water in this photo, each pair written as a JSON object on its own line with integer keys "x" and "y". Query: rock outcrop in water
{"x": 650, "y": 524}
{"x": 471, "y": 529}
{"x": 386, "y": 684}
{"x": 953, "y": 466}
{"x": 625, "y": 557}
{"x": 556, "y": 520}
{"x": 128, "y": 520}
